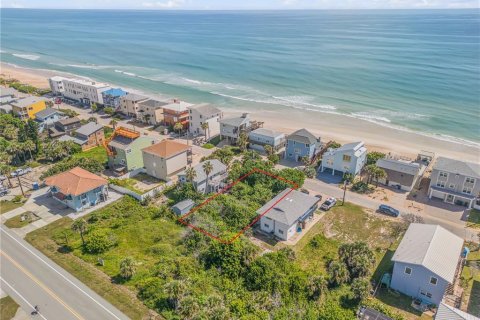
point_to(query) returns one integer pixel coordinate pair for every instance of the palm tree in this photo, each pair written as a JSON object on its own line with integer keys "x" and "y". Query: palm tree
{"x": 207, "y": 168}
{"x": 14, "y": 149}
{"x": 10, "y": 132}
{"x": 5, "y": 170}
{"x": 379, "y": 174}
{"x": 206, "y": 127}
{"x": 242, "y": 141}
{"x": 191, "y": 174}
{"x": 128, "y": 267}
{"x": 306, "y": 160}
{"x": 94, "y": 107}
{"x": 29, "y": 146}
{"x": 370, "y": 170}
{"x": 80, "y": 226}
{"x": 113, "y": 123}
{"x": 175, "y": 290}
{"x": 178, "y": 127}
{"x": 268, "y": 150}
{"x": 338, "y": 273}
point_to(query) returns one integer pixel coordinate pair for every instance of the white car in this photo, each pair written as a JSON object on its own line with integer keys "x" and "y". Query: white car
{"x": 328, "y": 204}
{"x": 21, "y": 172}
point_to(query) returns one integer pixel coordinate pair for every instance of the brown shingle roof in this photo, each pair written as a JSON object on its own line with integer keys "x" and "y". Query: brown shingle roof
{"x": 75, "y": 181}
{"x": 166, "y": 148}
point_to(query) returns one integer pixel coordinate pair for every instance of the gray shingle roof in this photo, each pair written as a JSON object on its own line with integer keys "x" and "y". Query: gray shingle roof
{"x": 458, "y": 167}
{"x": 205, "y": 109}
{"x": 303, "y": 136}
{"x": 5, "y": 91}
{"x": 411, "y": 168}
{"x": 432, "y": 247}
{"x": 446, "y": 312}
{"x": 236, "y": 121}
{"x": 290, "y": 208}
{"x": 89, "y": 129}
{"x": 69, "y": 121}
{"x": 134, "y": 97}
{"x": 120, "y": 142}
{"x": 182, "y": 205}
{"x": 267, "y": 132}
{"x": 47, "y": 113}
{"x": 152, "y": 103}
{"x": 201, "y": 176}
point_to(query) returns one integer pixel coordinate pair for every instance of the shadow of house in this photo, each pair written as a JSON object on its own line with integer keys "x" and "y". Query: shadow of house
{"x": 474, "y": 302}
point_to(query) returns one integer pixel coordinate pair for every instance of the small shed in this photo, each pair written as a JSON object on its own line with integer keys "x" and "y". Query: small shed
{"x": 183, "y": 207}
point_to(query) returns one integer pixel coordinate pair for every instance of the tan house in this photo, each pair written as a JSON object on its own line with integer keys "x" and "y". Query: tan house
{"x": 151, "y": 111}
{"x": 129, "y": 104}
{"x": 166, "y": 158}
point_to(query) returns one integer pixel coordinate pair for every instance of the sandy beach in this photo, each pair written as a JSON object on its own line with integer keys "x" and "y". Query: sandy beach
{"x": 328, "y": 126}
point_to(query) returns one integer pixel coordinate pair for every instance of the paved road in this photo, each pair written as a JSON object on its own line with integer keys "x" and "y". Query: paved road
{"x": 32, "y": 279}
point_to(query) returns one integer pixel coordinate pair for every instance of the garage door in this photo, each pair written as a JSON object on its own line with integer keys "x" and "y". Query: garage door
{"x": 438, "y": 194}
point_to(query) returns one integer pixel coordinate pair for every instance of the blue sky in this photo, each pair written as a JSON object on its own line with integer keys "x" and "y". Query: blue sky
{"x": 239, "y": 4}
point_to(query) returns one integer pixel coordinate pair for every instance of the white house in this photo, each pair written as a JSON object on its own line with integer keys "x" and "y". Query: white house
{"x": 85, "y": 91}
{"x": 56, "y": 85}
{"x": 287, "y": 213}
{"x": 261, "y": 137}
{"x": 47, "y": 117}
{"x": 349, "y": 158}
{"x": 216, "y": 178}
{"x": 231, "y": 128}
{"x": 204, "y": 113}
{"x": 130, "y": 104}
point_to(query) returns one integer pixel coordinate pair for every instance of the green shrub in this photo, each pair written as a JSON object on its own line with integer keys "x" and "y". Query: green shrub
{"x": 99, "y": 241}
{"x": 361, "y": 187}
{"x": 208, "y": 146}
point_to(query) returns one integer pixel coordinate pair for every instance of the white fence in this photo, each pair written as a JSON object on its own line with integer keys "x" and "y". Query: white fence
{"x": 141, "y": 197}
{"x": 132, "y": 173}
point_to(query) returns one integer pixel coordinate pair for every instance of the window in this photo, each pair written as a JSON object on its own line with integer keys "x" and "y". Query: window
{"x": 307, "y": 145}
{"x": 441, "y": 184}
{"x": 433, "y": 280}
{"x": 280, "y": 231}
{"x": 470, "y": 180}
{"x": 443, "y": 175}
{"x": 128, "y": 150}
{"x": 408, "y": 270}
{"x": 452, "y": 186}
{"x": 467, "y": 190}
{"x": 266, "y": 225}
{"x": 429, "y": 295}
{"x": 347, "y": 158}
{"x": 297, "y": 150}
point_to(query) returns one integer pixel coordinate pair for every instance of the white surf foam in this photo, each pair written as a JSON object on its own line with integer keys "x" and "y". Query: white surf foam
{"x": 26, "y": 56}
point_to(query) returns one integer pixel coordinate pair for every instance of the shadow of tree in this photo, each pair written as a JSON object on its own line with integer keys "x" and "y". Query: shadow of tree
{"x": 474, "y": 302}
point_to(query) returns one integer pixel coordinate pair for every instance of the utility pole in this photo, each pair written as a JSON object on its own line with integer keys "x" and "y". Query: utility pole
{"x": 344, "y": 191}
{"x": 20, "y": 184}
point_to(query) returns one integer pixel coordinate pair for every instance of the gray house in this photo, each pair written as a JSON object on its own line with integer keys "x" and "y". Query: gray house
{"x": 287, "y": 213}
{"x": 456, "y": 182}
{"x": 427, "y": 261}
{"x": 183, "y": 207}
{"x": 261, "y": 137}
{"x": 302, "y": 143}
{"x": 216, "y": 178}
{"x": 47, "y": 118}
{"x": 230, "y": 128}
{"x": 349, "y": 158}
{"x": 400, "y": 174}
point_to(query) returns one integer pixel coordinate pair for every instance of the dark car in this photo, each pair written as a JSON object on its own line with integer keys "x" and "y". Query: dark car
{"x": 388, "y": 210}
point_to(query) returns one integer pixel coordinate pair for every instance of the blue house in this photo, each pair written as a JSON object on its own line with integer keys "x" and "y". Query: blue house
{"x": 301, "y": 144}
{"x": 427, "y": 262}
{"x": 47, "y": 117}
{"x": 111, "y": 97}
{"x": 77, "y": 188}
{"x": 349, "y": 158}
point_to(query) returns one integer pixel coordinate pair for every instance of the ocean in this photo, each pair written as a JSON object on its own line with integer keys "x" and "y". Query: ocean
{"x": 417, "y": 70}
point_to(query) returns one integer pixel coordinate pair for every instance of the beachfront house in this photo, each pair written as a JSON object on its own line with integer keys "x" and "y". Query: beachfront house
{"x": 349, "y": 158}
{"x": 176, "y": 112}
{"x": 261, "y": 137}
{"x": 166, "y": 158}
{"x": 56, "y": 85}
{"x": 78, "y": 188}
{"x": 129, "y": 104}
{"x": 456, "y": 182}
{"x": 112, "y": 97}
{"x": 401, "y": 174}
{"x": 27, "y": 107}
{"x": 426, "y": 262}
{"x": 301, "y": 144}
{"x": 64, "y": 126}
{"x": 151, "y": 111}
{"x": 47, "y": 118}
{"x": 216, "y": 178}
{"x": 204, "y": 113}
{"x": 124, "y": 150}
{"x": 183, "y": 207}
{"x": 446, "y": 312}
{"x": 86, "y": 92}
{"x": 287, "y": 213}
{"x": 231, "y": 128}
{"x": 8, "y": 95}
{"x": 88, "y": 136}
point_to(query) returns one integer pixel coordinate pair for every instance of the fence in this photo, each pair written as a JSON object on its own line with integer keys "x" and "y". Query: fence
{"x": 132, "y": 173}
{"x": 141, "y": 197}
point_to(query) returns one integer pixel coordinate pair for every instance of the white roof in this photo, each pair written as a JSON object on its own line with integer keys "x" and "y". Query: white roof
{"x": 432, "y": 247}
{"x": 358, "y": 148}
{"x": 469, "y": 169}
{"x": 59, "y": 78}
{"x": 86, "y": 82}
{"x": 411, "y": 168}
{"x": 205, "y": 109}
{"x": 178, "y": 106}
{"x": 446, "y": 312}
{"x": 267, "y": 133}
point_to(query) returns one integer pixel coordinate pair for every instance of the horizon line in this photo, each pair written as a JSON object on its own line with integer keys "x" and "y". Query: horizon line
{"x": 244, "y": 9}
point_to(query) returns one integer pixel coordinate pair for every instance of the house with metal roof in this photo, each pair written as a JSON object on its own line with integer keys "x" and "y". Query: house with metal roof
{"x": 129, "y": 104}
{"x": 166, "y": 158}
{"x": 204, "y": 113}
{"x": 401, "y": 174}
{"x": 78, "y": 188}
{"x": 349, "y": 158}
{"x": 112, "y": 97}
{"x": 426, "y": 262}
{"x": 47, "y": 118}
{"x": 456, "y": 182}
{"x": 287, "y": 213}
{"x": 216, "y": 178}
{"x": 446, "y": 312}
{"x": 183, "y": 207}
{"x": 261, "y": 137}
{"x": 231, "y": 128}
{"x": 301, "y": 143}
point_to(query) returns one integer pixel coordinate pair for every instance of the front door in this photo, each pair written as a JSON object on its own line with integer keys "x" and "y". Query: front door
{"x": 449, "y": 198}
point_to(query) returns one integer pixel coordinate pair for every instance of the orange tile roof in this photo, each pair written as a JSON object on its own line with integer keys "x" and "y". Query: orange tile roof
{"x": 75, "y": 181}
{"x": 166, "y": 148}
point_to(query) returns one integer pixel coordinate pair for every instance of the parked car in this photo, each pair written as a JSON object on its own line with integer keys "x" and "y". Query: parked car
{"x": 328, "y": 204}
{"x": 21, "y": 172}
{"x": 4, "y": 191}
{"x": 2, "y": 177}
{"x": 388, "y": 210}
{"x": 304, "y": 191}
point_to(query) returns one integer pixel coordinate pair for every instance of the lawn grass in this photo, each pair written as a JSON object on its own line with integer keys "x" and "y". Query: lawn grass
{"x": 128, "y": 183}
{"x": 473, "y": 220}
{"x": 470, "y": 280}
{"x": 8, "y": 308}
{"x": 97, "y": 153}
{"x": 16, "y": 222}
{"x": 8, "y": 205}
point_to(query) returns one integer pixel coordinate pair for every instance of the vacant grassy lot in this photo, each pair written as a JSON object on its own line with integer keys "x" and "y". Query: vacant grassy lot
{"x": 8, "y": 308}
{"x": 7, "y": 205}
{"x": 97, "y": 153}
{"x": 471, "y": 281}
{"x": 474, "y": 219}
{"x": 16, "y": 222}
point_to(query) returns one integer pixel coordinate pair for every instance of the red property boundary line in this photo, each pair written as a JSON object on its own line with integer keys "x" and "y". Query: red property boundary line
{"x": 293, "y": 185}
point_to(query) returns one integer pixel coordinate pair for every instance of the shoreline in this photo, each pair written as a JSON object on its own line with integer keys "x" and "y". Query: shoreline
{"x": 328, "y": 126}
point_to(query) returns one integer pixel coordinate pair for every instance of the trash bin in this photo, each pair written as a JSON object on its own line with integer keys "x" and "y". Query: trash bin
{"x": 35, "y": 186}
